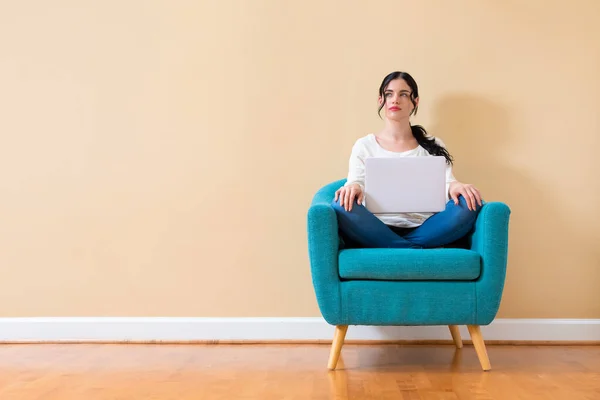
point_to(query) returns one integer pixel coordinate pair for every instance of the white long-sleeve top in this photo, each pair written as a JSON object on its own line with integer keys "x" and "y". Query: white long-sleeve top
{"x": 368, "y": 146}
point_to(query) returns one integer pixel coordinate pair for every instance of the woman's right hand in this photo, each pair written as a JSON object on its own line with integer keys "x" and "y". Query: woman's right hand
{"x": 347, "y": 195}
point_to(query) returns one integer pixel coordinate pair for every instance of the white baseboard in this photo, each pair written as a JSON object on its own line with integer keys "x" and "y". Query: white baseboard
{"x": 126, "y": 329}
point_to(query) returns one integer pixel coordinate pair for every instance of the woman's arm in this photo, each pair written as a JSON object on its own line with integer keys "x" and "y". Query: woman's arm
{"x": 454, "y": 188}
{"x": 449, "y": 180}
{"x": 354, "y": 187}
{"x": 449, "y": 174}
{"x": 356, "y": 166}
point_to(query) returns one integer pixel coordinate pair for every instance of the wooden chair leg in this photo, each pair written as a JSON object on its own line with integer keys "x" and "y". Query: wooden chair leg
{"x": 336, "y": 346}
{"x": 456, "y": 336}
{"x": 475, "y": 332}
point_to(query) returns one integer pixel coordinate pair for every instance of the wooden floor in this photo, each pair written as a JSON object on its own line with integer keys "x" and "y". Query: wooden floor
{"x": 88, "y": 371}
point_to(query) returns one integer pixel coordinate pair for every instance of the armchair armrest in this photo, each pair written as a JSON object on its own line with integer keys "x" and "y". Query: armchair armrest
{"x": 490, "y": 239}
{"x": 323, "y": 248}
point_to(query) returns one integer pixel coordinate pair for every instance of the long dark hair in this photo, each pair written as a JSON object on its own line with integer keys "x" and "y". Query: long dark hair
{"x": 423, "y": 138}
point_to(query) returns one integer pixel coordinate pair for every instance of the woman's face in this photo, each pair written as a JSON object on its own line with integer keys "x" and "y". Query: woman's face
{"x": 397, "y": 100}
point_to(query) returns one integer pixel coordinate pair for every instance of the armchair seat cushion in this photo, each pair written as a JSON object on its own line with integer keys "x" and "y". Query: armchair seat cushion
{"x": 440, "y": 264}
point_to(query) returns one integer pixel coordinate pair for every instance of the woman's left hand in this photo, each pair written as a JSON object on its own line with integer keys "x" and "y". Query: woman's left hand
{"x": 468, "y": 191}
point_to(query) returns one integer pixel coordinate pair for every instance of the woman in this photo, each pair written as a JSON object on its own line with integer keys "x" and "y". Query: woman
{"x": 399, "y": 95}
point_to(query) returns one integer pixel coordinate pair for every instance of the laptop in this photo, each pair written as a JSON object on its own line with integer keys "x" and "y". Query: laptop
{"x": 405, "y": 184}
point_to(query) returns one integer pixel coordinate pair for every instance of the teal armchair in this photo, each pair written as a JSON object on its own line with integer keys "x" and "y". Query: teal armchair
{"x": 442, "y": 286}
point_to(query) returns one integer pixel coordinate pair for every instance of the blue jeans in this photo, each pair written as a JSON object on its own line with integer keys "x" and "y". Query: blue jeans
{"x": 361, "y": 228}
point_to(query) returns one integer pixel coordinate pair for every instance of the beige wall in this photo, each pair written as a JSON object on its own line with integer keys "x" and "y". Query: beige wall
{"x": 158, "y": 158}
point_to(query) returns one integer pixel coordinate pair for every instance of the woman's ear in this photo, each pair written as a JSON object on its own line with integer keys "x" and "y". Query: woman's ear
{"x": 379, "y": 100}
{"x": 414, "y": 111}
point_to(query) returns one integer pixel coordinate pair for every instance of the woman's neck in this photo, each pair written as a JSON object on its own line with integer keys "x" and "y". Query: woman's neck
{"x": 397, "y": 131}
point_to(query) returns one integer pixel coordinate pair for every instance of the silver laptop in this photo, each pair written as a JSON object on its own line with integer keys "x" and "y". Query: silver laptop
{"x": 405, "y": 184}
